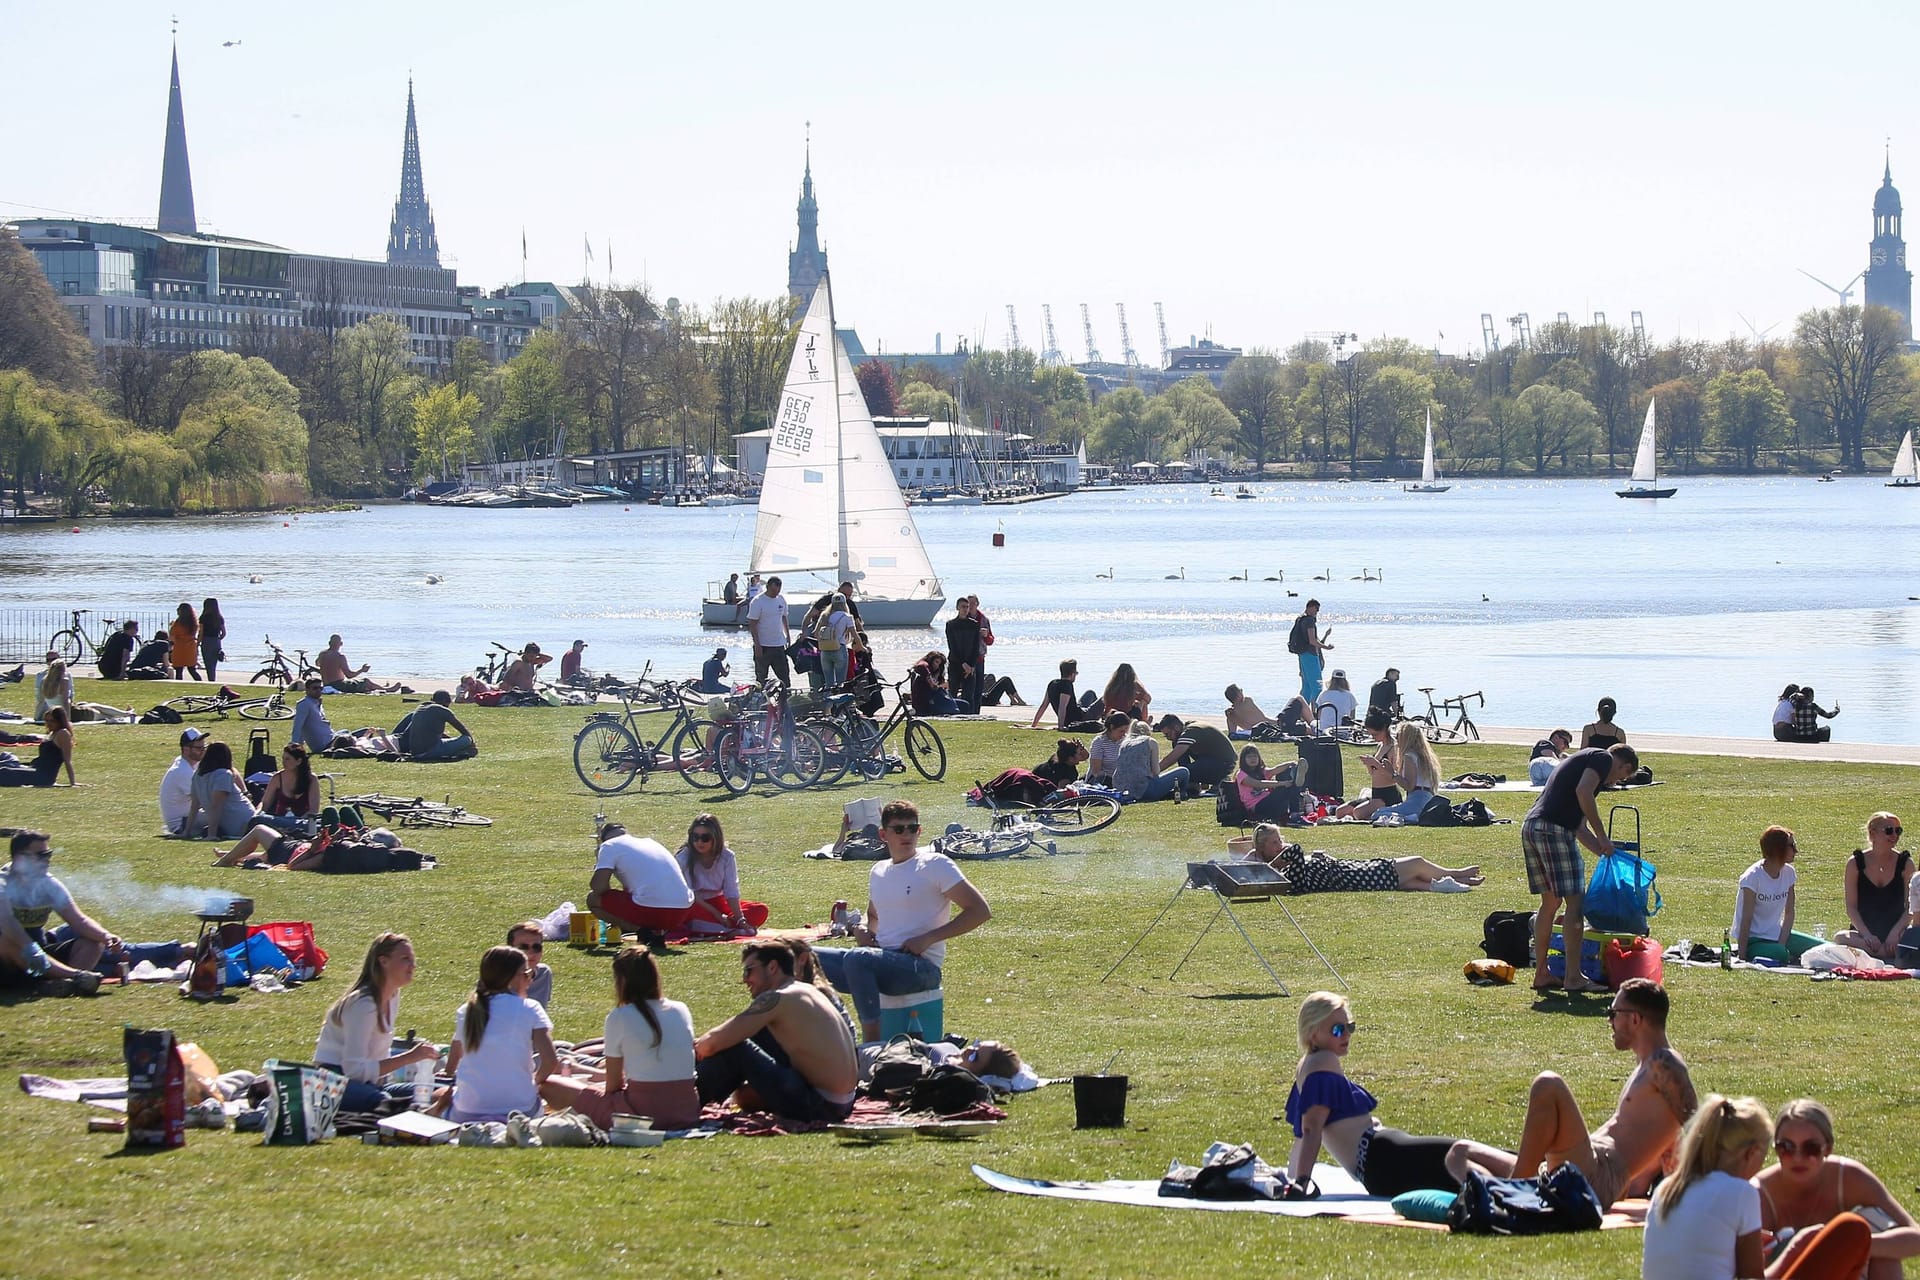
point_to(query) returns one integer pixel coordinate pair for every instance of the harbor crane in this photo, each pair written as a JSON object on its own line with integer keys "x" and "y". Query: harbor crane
{"x": 1522, "y": 330}
{"x": 1639, "y": 325}
{"x": 1489, "y": 338}
{"x": 1086, "y": 323}
{"x": 1013, "y": 330}
{"x": 1128, "y": 355}
{"x": 1844, "y": 292}
{"x": 1166, "y": 352}
{"x": 1052, "y": 354}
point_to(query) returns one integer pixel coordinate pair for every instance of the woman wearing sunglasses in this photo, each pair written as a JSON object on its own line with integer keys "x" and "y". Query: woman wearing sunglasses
{"x": 1877, "y": 879}
{"x": 714, "y": 875}
{"x": 1329, "y": 1111}
{"x": 911, "y": 913}
{"x": 1811, "y": 1187}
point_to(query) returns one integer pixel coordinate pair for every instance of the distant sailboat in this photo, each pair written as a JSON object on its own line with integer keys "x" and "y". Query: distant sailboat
{"x": 1645, "y": 481}
{"x": 1906, "y": 468}
{"x": 1429, "y": 476}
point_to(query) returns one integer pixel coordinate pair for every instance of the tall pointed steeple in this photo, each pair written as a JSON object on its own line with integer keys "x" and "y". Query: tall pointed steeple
{"x": 806, "y": 263}
{"x": 1889, "y": 283}
{"x": 411, "y": 241}
{"x": 176, "y": 176}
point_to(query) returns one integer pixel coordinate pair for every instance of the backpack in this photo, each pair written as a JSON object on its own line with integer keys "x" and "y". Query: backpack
{"x": 1508, "y": 936}
{"x": 162, "y": 714}
{"x": 1438, "y": 813}
{"x": 1559, "y": 1201}
{"x": 1227, "y": 809}
{"x": 902, "y": 1063}
{"x": 1472, "y": 812}
{"x": 1268, "y": 733}
{"x": 260, "y": 752}
{"x": 1297, "y": 638}
{"x": 947, "y": 1090}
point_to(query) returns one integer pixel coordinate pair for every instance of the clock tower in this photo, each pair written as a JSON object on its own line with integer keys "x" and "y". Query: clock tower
{"x": 1889, "y": 283}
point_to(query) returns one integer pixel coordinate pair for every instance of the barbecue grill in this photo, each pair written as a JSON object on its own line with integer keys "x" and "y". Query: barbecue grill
{"x": 1231, "y": 882}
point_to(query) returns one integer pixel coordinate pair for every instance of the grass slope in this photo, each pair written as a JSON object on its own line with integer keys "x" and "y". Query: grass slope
{"x": 1210, "y": 1054}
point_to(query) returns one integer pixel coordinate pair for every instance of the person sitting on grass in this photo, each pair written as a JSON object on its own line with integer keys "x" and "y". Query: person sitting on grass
{"x": 311, "y": 728}
{"x": 1124, "y": 692}
{"x": 1203, "y": 750}
{"x": 1382, "y": 767}
{"x": 1620, "y": 1156}
{"x": 530, "y": 940}
{"x": 522, "y": 672}
{"x": 60, "y": 963}
{"x": 712, "y": 872}
{"x": 648, "y": 1046}
{"x": 176, "y": 785}
{"x": 1059, "y": 703}
{"x": 1877, "y": 879}
{"x": 356, "y": 1036}
{"x": 55, "y": 754}
{"x": 1244, "y": 714}
{"x": 1062, "y": 769}
{"x": 1603, "y": 732}
{"x": 790, "y": 1045}
{"x": 336, "y": 670}
{"x": 116, "y": 656}
{"x": 1763, "y": 904}
{"x": 653, "y": 898}
{"x": 292, "y": 797}
{"x": 1811, "y": 1189}
{"x": 1416, "y": 771}
{"x": 425, "y": 727}
{"x": 1265, "y": 796}
{"x": 220, "y": 809}
{"x": 927, "y": 689}
{"x": 1704, "y": 1222}
{"x": 502, "y": 1044}
{"x": 1328, "y": 1111}
{"x": 1130, "y": 763}
{"x": 1317, "y": 872}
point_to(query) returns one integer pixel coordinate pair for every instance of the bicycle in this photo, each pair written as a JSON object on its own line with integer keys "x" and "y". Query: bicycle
{"x": 611, "y": 751}
{"x": 417, "y": 811}
{"x": 74, "y": 640}
{"x": 498, "y": 659}
{"x": 277, "y": 670}
{"x": 857, "y": 743}
{"x": 272, "y": 706}
{"x": 768, "y": 744}
{"x": 1463, "y": 729}
{"x": 1064, "y": 813}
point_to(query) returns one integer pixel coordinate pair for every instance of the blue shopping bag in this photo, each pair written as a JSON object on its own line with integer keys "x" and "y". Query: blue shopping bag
{"x": 1621, "y": 896}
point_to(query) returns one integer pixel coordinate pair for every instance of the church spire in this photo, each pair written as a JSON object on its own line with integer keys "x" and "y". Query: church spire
{"x": 176, "y": 176}
{"x": 411, "y": 241}
{"x": 806, "y": 263}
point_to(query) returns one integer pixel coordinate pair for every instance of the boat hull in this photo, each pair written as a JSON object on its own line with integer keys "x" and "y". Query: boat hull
{"x": 1427, "y": 488}
{"x": 1646, "y": 493}
{"x": 885, "y": 615}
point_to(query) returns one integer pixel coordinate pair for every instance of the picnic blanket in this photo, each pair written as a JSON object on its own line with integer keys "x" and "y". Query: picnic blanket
{"x": 765, "y": 1124}
{"x": 1341, "y": 1196}
{"x": 805, "y": 933}
{"x": 1521, "y": 784}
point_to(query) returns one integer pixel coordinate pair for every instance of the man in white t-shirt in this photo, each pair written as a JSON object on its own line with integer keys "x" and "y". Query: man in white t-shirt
{"x": 767, "y": 620}
{"x": 653, "y": 897}
{"x": 59, "y": 961}
{"x": 911, "y": 901}
{"x": 176, "y": 785}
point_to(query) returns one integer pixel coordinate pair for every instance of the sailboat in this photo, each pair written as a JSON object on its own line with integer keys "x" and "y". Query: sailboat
{"x": 830, "y": 508}
{"x": 1906, "y": 469}
{"x": 1645, "y": 481}
{"x": 1429, "y": 477}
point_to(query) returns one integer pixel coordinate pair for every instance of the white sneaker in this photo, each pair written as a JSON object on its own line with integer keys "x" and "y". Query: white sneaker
{"x": 1447, "y": 884}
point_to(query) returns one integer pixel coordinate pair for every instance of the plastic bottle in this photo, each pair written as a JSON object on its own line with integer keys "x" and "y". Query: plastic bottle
{"x": 914, "y": 1028}
{"x": 1726, "y": 948}
{"x": 422, "y": 1073}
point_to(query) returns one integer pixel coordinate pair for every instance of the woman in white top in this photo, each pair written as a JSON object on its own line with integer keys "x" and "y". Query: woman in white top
{"x": 714, "y": 876}
{"x": 497, "y": 1035}
{"x": 1763, "y": 907}
{"x": 1705, "y": 1220}
{"x": 356, "y": 1038}
{"x": 1783, "y": 714}
{"x": 649, "y": 1050}
{"x": 1337, "y": 703}
{"x": 1416, "y": 772}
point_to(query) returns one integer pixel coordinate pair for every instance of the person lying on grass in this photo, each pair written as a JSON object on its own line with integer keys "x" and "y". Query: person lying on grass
{"x": 1318, "y": 872}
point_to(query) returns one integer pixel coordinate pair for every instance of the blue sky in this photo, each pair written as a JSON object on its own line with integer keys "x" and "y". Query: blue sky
{"x": 1264, "y": 170}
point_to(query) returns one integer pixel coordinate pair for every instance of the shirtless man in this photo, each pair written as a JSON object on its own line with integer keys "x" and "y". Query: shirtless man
{"x": 1637, "y": 1138}
{"x": 790, "y": 1046}
{"x": 337, "y": 671}
{"x": 1244, "y": 714}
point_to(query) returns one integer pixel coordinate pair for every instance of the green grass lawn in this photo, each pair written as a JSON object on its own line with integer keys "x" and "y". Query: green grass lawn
{"x": 1210, "y": 1054}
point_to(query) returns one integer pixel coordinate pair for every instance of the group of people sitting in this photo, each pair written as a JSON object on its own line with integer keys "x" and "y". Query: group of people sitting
{"x": 1797, "y": 717}
{"x": 431, "y": 732}
{"x": 1882, "y": 898}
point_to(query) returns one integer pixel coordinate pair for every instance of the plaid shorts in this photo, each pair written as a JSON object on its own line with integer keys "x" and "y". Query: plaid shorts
{"x": 1553, "y": 858}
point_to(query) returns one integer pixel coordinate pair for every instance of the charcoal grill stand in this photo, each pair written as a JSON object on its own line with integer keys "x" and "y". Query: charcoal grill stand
{"x": 1201, "y": 876}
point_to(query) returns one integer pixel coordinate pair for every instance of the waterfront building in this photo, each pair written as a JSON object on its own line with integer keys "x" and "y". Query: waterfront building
{"x": 942, "y": 455}
{"x": 1889, "y": 283}
{"x": 505, "y": 319}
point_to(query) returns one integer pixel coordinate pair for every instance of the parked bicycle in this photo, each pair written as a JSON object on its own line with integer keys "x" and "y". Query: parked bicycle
{"x": 767, "y": 743}
{"x": 857, "y": 744}
{"x": 1463, "y": 729}
{"x": 271, "y": 706}
{"x": 277, "y": 670}
{"x": 613, "y": 751}
{"x": 76, "y": 640}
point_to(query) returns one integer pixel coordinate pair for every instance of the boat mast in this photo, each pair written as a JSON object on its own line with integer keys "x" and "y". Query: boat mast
{"x": 839, "y": 452}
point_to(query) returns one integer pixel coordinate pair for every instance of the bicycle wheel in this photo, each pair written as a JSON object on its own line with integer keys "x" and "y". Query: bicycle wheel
{"x": 1445, "y": 733}
{"x": 608, "y": 757}
{"x": 1469, "y": 729}
{"x": 734, "y": 761}
{"x": 274, "y": 708}
{"x": 692, "y": 758}
{"x": 924, "y": 748}
{"x": 67, "y": 645}
{"x": 799, "y": 761}
{"x": 428, "y": 814}
{"x": 195, "y": 704}
{"x": 838, "y": 752}
{"x": 1077, "y": 816}
{"x": 982, "y": 846}
{"x": 384, "y": 805}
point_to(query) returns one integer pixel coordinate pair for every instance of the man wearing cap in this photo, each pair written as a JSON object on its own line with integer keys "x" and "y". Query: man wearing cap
{"x": 570, "y": 662}
{"x": 61, "y": 962}
{"x": 1205, "y": 751}
{"x": 767, "y": 620}
{"x": 310, "y": 726}
{"x": 176, "y": 785}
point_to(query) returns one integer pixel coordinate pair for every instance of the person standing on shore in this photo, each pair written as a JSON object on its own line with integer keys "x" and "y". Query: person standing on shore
{"x": 185, "y": 636}
{"x": 1308, "y": 644}
{"x": 767, "y": 620}
{"x": 213, "y": 632}
{"x": 966, "y": 659}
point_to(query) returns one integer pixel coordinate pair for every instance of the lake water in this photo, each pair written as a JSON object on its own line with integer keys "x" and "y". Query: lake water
{"x": 1691, "y": 612}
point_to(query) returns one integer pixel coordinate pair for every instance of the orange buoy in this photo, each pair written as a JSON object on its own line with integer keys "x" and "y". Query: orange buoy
{"x": 75, "y": 529}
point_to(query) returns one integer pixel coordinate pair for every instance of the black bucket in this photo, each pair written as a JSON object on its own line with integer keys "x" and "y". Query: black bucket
{"x": 1100, "y": 1102}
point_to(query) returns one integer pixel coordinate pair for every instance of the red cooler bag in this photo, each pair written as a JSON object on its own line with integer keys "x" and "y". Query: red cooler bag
{"x": 297, "y": 940}
{"x": 1639, "y": 958}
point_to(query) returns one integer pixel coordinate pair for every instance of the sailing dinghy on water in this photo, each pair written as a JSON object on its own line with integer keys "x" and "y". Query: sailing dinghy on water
{"x": 1906, "y": 468}
{"x": 830, "y": 508}
{"x": 1645, "y": 481}
{"x": 1429, "y": 476}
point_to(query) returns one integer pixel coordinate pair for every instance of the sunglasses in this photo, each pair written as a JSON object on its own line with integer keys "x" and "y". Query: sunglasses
{"x": 1617, "y": 1013}
{"x": 903, "y": 828}
{"x": 1812, "y": 1149}
{"x": 530, "y": 946}
{"x": 1341, "y": 1030}
{"x": 700, "y": 837}
{"x": 1892, "y": 831}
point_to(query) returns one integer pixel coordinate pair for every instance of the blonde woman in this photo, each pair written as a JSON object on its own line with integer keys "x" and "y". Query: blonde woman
{"x": 357, "y": 1034}
{"x": 1877, "y": 879}
{"x": 1416, "y": 771}
{"x": 1331, "y": 1113}
{"x": 1810, "y": 1187}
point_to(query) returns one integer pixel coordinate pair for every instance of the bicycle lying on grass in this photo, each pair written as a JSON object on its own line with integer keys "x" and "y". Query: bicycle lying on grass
{"x": 1013, "y": 829}
{"x": 259, "y": 706}
{"x": 417, "y": 811}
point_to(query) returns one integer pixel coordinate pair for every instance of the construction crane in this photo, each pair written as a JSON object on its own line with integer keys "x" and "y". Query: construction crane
{"x": 1488, "y": 337}
{"x": 1013, "y": 330}
{"x": 1052, "y": 354}
{"x": 1844, "y": 293}
{"x": 1599, "y": 320}
{"x": 1086, "y": 323}
{"x": 1160, "y": 318}
{"x": 1522, "y": 330}
{"x": 1562, "y": 318}
{"x": 1336, "y": 340}
{"x": 1128, "y": 355}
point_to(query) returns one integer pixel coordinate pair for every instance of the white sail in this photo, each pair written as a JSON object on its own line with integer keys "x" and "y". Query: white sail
{"x": 799, "y": 528}
{"x": 1427, "y": 474}
{"x": 1643, "y": 461}
{"x": 1906, "y": 470}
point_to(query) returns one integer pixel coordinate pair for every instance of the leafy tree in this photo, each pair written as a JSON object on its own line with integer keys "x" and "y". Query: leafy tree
{"x": 535, "y": 400}
{"x": 1399, "y": 397}
{"x": 1065, "y": 406}
{"x": 469, "y": 368}
{"x": 613, "y": 362}
{"x": 1553, "y": 423}
{"x": 1681, "y": 415}
{"x": 1254, "y": 388}
{"x": 1199, "y": 419}
{"x": 1321, "y": 408}
{"x": 443, "y": 421}
{"x": 878, "y": 387}
{"x": 1745, "y": 411}
{"x": 377, "y": 383}
{"x": 1130, "y": 428}
{"x": 747, "y": 344}
{"x": 918, "y": 400}
{"x": 36, "y": 332}
{"x": 1849, "y": 362}
{"x": 27, "y": 429}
